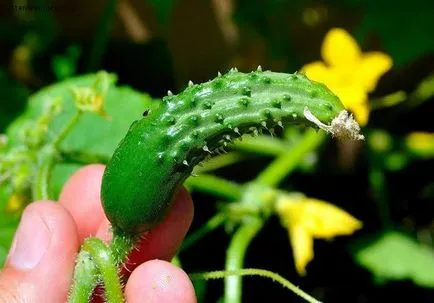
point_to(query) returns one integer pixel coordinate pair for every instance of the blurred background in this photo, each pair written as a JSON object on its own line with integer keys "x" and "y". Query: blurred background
{"x": 157, "y": 45}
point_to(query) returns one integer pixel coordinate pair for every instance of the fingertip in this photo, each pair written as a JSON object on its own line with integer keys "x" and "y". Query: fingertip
{"x": 45, "y": 245}
{"x": 81, "y": 197}
{"x": 51, "y": 220}
{"x": 159, "y": 281}
{"x": 181, "y": 213}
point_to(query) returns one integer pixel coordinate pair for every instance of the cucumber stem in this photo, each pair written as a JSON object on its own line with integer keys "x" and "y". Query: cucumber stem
{"x": 46, "y": 161}
{"x": 235, "y": 257}
{"x": 85, "y": 279}
{"x": 66, "y": 130}
{"x": 97, "y": 259}
{"x": 288, "y": 161}
{"x": 216, "y": 186}
{"x": 121, "y": 245}
{"x": 103, "y": 258}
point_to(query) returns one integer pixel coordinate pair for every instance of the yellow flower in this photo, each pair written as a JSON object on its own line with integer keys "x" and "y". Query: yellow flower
{"x": 306, "y": 219}
{"x": 348, "y": 72}
{"x": 16, "y": 203}
{"x": 88, "y": 101}
{"x": 92, "y": 99}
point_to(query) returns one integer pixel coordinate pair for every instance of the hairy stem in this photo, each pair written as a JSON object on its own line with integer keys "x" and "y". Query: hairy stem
{"x": 82, "y": 157}
{"x": 121, "y": 245}
{"x": 216, "y": 221}
{"x": 85, "y": 279}
{"x": 97, "y": 259}
{"x": 235, "y": 258}
{"x": 216, "y": 186}
{"x": 288, "y": 161}
{"x": 107, "y": 268}
{"x": 46, "y": 161}
{"x": 66, "y": 130}
{"x": 255, "y": 272}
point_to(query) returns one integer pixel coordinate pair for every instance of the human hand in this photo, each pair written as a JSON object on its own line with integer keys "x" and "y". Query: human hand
{"x": 40, "y": 264}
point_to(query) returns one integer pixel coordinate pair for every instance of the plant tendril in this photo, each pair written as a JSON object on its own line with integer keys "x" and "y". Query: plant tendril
{"x": 220, "y": 274}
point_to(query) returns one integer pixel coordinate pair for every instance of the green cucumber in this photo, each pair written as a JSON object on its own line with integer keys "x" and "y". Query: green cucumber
{"x": 161, "y": 149}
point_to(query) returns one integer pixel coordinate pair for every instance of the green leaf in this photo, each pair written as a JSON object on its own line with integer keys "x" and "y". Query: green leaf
{"x": 3, "y": 255}
{"x": 395, "y": 256}
{"x": 6, "y": 236}
{"x": 92, "y": 134}
{"x": 404, "y": 41}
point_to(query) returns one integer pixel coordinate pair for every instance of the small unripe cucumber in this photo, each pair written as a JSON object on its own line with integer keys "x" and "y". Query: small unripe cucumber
{"x": 160, "y": 150}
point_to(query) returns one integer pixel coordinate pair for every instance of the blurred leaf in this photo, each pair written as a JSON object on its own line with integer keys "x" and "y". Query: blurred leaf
{"x": 163, "y": 9}
{"x": 404, "y": 41}
{"x": 271, "y": 20}
{"x": 200, "y": 287}
{"x": 388, "y": 100}
{"x": 396, "y": 161}
{"x": 13, "y": 97}
{"x": 395, "y": 256}
{"x": 423, "y": 92}
{"x": 65, "y": 66}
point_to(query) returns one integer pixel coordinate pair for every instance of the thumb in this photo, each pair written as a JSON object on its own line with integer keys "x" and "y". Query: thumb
{"x": 41, "y": 261}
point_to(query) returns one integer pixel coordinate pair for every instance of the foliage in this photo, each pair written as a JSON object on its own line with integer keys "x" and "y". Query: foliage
{"x": 410, "y": 259}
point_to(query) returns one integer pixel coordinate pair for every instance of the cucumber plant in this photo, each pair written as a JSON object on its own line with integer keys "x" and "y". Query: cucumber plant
{"x": 161, "y": 149}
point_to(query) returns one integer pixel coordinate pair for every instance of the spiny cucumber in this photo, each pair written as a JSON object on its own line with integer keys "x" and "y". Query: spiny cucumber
{"x": 161, "y": 149}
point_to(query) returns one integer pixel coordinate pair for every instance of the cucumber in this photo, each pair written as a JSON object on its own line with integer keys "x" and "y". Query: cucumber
{"x": 161, "y": 149}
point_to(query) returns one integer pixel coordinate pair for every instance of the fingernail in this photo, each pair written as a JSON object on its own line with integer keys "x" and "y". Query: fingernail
{"x": 31, "y": 241}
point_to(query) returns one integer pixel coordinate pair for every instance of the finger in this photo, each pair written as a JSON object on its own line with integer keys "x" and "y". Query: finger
{"x": 163, "y": 241}
{"x": 40, "y": 264}
{"x": 81, "y": 197}
{"x": 159, "y": 281}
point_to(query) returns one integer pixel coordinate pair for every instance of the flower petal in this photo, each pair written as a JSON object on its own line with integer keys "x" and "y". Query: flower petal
{"x": 302, "y": 247}
{"x": 361, "y": 112}
{"x": 324, "y": 220}
{"x": 355, "y": 99}
{"x": 340, "y": 49}
{"x": 372, "y": 66}
{"x": 318, "y": 71}
{"x": 307, "y": 218}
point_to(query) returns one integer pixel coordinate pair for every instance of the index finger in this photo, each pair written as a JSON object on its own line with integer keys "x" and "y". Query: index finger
{"x": 81, "y": 197}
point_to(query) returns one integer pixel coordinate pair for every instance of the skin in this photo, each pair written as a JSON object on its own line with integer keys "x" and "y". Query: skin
{"x": 79, "y": 214}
